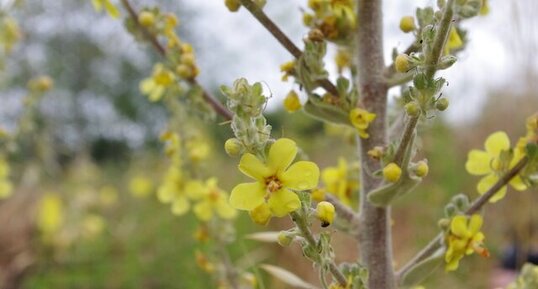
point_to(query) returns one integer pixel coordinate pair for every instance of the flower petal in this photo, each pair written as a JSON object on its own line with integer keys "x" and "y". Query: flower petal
{"x": 180, "y": 206}
{"x": 203, "y": 211}
{"x": 475, "y": 223}
{"x": 247, "y": 196}
{"x": 458, "y": 226}
{"x": 301, "y": 176}
{"x": 224, "y": 210}
{"x": 251, "y": 166}
{"x": 497, "y": 142}
{"x": 518, "y": 184}
{"x": 281, "y": 154}
{"x": 478, "y": 163}
{"x": 283, "y": 202}
{"x": 486, "y": 183}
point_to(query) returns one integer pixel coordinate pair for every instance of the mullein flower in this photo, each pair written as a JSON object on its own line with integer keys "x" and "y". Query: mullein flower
{"x": 213, "y": 202}
{"x": 361, "y": 119}
{"x": 454, "y": 41}
{"x": 276, "y": 180}
{"x": 155, "y": 86}
{"x": 493, "y": 164}
{"x": 464, "y": 238}
{"x": 338, "y": 182}
{"x": 292, "y": 102}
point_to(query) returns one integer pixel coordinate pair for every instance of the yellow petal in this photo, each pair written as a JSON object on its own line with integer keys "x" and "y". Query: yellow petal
{"x": 203, "y": 211}
{"x": 486, "y": 183}
{"x": 194, "y": 190}
{"x": 478, "y": 163}
{"x": 475, "y": 223}
{"x": 283, "y": 202}
{"x": 224, "y": 210}
{"x": 281, "y": 154}
{"x": 301, "y": 176}
{"x": 111, "y": 9}
{"x": 497, "y": 142}
{"x": 251, "y": 166}
{"x": 518, "y": 184}
{"x": 330, "y": 175}
{"x": 180, "y": 206}
{"x": 458, "y": 226}
{"x": 247, "y": 196}
{"x": 156, "y": 94}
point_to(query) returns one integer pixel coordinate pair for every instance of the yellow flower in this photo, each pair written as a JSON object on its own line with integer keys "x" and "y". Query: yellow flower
{"x": 338, "y": 183}
{"x": 140, "y": 186}
{"x": 50, "y": 216}
{"x": 491, "y": 164}
{"x": 325, "y": 213}
{"x": 361, "y": 119}
{"x": 275, "y": 180}
{"x": 214, "y": 201}
{"x": 454, "y": 41}
{"x": 155, "y": 86}
{"x": 288, "y": 69}
{"x": 176, "y": 190}
{"x": 464, "y": 238}
{"x": 292, "y": 102}
{"x": 110, "y": 8}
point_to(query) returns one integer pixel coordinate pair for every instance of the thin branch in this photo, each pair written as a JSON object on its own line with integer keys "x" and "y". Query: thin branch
{"x": 215, "y": 104}
{"x": 266, "y": 22}
{"x": 477, "y": 204}
{"x": 312, "y": 241}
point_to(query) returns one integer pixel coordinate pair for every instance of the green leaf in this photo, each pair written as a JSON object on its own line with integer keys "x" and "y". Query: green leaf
{"x": 422, "y": 270}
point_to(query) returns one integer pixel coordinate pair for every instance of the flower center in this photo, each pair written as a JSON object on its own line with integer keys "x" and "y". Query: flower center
{"x": 496, "y": 164}
{"x": 272, "y": 184}
{"x": 214, "y": 195}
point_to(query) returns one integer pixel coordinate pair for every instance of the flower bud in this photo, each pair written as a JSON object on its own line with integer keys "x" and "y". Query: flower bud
{"x": 446, "y": 61}
{"x": 41, "y": 83}
{"x": 315, "y": 35}
{"x": 461, "y": 202}
{"x": 187, "y": 59}
{"x": 444, "y": 223}
{"x": 146, "y": 18}
{"x": 376, "y": 153}
{"x": 261, "y": 214}
{"x": 285, "y": 238}
{"x": 441, "y": 104}
{"x": 232, "y": 5}
{"x": 325, "y": 213}
{"x": 308, "y": 19}
{"x": 450, "y": 210}
{"x": 184, "y": 71}
{"x": 422, "y": 169}
{"x": 412, "y": 109}
{"x": 233, "y": 147}
{"x": 407, "y": 24}
{"x": 318, "y": 195}
{"x": 392, "y": 172}
{"x": 291, "y": 102}
{"x": 401, "y": 63}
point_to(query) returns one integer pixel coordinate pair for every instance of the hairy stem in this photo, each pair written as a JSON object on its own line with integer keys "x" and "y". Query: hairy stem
{"x": 475, "y": 206}
{"x": 258, "y": 13}
{"x": 375, "y": 240}
{"x": 213, "y": 102}
{"x": 307, "y": 234}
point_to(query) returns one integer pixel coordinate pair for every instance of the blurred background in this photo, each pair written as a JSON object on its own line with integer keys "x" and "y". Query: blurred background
{"x": 96, "y": 143}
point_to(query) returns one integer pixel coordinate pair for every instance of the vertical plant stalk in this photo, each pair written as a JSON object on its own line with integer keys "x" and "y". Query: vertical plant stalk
{"x": 375, "y": 240}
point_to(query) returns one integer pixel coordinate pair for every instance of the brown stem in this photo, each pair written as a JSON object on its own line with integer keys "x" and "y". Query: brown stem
{"x": 475, "y": 206}
{"x": 215, "y": 104}
{"x": 375, "y": 240}
{"x": 286, "y": 42}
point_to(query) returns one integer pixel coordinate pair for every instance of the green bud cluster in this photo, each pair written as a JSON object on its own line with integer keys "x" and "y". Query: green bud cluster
{"x": 527, "y": 279}
{"x": 248, "y": 124}
{"x": 310, "y": 66}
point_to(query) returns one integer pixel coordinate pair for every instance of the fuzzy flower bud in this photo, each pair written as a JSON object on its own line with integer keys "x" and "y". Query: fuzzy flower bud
{"x": 407, "y": 24}
{"x": 232, "y": 5}
{"x": 291, "y": 102}
{"x": 233, "y": 147}
{"x": 422, "y": 169}
{"x": 285, "y": 238}
{"x": 441, "y": 104}
{"x": 401, "y": 63}
{"x": 146, "y": 18}
{"x": 412, "y": 109}
{"x": 392, "y": 172}
{"x": 325, "y": 213}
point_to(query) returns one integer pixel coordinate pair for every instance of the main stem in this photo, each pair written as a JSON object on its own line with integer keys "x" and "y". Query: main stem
{"x": 375, "y": 241}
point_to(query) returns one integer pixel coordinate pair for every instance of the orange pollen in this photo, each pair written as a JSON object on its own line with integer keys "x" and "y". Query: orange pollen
{"x": 481, "y": 250}
{"x": 272, "y": 184}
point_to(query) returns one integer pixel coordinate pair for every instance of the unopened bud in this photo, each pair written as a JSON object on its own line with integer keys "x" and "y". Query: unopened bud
{"x": 232, "y": 5}
{"x": 441, "y": 104}
{"x": 146, "y": 18}
{"x": 233, "y": 147}
{"x": 422, "y": 169}
{"x": 412, "y": 109}
{"x": 376, "y": 153}
{"x": 407, "y": 24}
{"x": 392, "y": 172}
{"x": 325, "y": 213}
{"x": 285, "y": 238}
{"x": 401, "y": 63}
{"x": 315, "y": 35}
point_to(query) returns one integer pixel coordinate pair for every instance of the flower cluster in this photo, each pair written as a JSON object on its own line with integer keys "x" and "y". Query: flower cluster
{"x": 336, "y": 19}
{"x": 464, "y": 238}
{"x": 276, "y": 181}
